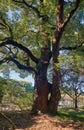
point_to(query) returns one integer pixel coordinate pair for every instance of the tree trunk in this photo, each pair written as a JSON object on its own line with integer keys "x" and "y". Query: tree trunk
{"x": 75, "y": 102}
{"x": 55, "y": 94}
{"x": 41, "y": 84}
{"x": 41, "y": 91}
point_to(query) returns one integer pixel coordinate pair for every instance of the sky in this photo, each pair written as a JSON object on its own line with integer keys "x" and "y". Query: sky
{"x": 14, "y": 75}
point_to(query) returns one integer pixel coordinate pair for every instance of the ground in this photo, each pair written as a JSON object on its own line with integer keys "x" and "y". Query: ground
{"x": 70, "y": 120}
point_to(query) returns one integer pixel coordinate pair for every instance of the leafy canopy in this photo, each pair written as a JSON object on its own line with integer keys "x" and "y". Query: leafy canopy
{"x": 27, "y": 22}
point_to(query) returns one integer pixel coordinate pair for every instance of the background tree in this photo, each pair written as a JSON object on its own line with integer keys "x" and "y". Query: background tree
{"x": 3, "y": 83}
{"x": 17, "y": 93}
{"x": 73, "y": 86}
{"x": 38, "y": 25}
{"x": 72, "y": 66}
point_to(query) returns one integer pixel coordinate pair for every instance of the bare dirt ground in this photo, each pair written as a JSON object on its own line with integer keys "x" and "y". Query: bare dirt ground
{"x": 26, "y": 121}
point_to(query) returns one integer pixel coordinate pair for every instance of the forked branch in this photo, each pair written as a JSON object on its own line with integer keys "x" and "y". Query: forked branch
{"x": 18, "y": 64}
{"x": 20, "y": 46}
{"x": 71, "y": 13}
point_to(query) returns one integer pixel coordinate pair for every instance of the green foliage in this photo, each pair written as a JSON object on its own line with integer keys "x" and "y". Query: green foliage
{"x": 2, "y": 88}
{"x": 1, "y": 94}
{"x": 19, "y": 93}
{"x": 25, "y": 102}
{"x": 72, "y": 59}
{"x": 24, "y": 26}
{"x": 70, "y": 114}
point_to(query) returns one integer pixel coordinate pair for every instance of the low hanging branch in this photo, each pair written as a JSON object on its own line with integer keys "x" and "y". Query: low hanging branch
{"x": 20, "y": 46}
{"x": 20, "y": 66}
{"x": 23, "y": 67}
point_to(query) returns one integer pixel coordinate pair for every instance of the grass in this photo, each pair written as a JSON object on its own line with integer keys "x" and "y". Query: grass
{"x": 71, "y": 114}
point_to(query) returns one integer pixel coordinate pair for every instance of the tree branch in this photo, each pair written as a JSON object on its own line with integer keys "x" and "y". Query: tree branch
{"x": 32, "y": 7}
{"x": 21, "y": 66}
{"x": 9, "y": 50}
{"x": 71, "y": 48}
{"x": 29, "y": 6}
{"x": 39, "y": 15}
{"x": 67, "y": 93}
{"x": 25, "y": 49}
{"x": 60, "y": 12}
{"x": 71, "y": 13}
{"x": 79, "y": 94}
{"x": 5, "y": 25}
{"x": 66, "y": 71}
{"x": 4, "y": 60}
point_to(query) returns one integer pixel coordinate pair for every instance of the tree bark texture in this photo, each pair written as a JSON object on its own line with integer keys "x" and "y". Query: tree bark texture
{"x": 41, "y": 84}
{"x": 41, "y": 101}
{"x": 41, "y": 87}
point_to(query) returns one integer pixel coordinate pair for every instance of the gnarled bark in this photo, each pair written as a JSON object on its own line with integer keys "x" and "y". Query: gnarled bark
{"x": 41, "y": 84}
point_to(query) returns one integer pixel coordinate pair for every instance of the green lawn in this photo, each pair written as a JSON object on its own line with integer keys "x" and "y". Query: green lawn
{"x": 71, "y": 114}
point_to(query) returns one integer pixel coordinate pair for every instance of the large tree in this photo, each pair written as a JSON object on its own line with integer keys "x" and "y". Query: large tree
{"x": 31, "y": 33}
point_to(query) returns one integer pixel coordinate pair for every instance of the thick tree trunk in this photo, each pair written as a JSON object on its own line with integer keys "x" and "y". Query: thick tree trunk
{"x": 41, "y": 91}
{"x": 55, "y": 95}
{"x": 41, "y": 84}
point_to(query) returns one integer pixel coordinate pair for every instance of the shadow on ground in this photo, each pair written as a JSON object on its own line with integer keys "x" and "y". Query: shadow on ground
{"x": 21, "y": 120}
{"x": 25, "y": 121}
{"x": 71, "y": 118}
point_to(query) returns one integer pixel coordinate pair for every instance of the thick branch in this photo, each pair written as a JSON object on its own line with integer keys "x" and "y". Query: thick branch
{"x": 60, "y": 12}
{"x": 19, "y": 65}
{"x": 4, "y": 60}
{"x": 61, "y": 24}
{"x": 11, "y": 42}
{"x": 71, "y": 13}
{"x": 23, "y": 67}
